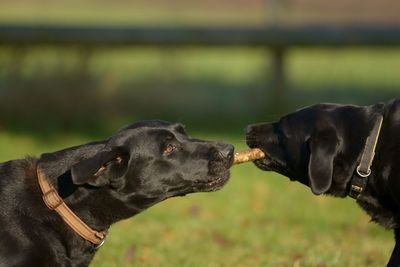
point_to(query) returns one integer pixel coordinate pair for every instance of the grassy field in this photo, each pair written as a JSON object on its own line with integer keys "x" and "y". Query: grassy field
{"x": 196, "y": 12}
{"x": 130, "y": 13}
{"x": 258, "y": 219}
{"x": 200, "y": 87}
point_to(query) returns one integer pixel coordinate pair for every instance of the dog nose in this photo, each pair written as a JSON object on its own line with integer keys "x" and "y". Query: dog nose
{"x": 253, "y": 130}
{"x": 226, "y": 151}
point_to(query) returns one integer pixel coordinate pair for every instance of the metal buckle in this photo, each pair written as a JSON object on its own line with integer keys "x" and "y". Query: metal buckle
{"x": 364, "y": 175}
{"x": 102, "y": 236}
{"x": 356, "y": 188}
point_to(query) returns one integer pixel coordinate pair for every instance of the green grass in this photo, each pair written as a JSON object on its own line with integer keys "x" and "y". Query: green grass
{"x": 362, "y": 68}
{"x": 257, "y": 219}
{"x": 127, "y": 13}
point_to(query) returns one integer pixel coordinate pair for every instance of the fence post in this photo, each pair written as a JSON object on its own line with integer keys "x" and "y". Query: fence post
{"x": 276, "y": 10}
{"x": 278, "y": 99}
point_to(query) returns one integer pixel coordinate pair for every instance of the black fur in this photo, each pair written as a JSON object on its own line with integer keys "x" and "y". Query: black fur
{"x": 138, "y": 173}
{"x": 320, "y": 146}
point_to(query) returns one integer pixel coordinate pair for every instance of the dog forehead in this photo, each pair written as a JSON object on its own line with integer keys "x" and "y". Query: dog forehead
{"x": 304, "y": 121}
{"x": 143, "y": 131}
{"x": 313, "y": 113}
{"x": 149, "y": 124}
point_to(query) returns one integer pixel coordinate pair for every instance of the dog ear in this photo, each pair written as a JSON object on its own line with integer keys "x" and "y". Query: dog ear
{"x": 100, "y": 169}
{"x": 323, "y": 150}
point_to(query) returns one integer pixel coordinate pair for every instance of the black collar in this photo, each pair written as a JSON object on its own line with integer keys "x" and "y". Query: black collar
{"x": 360, "y": 177}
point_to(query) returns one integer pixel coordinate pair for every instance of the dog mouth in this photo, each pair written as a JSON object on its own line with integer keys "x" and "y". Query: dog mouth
{"x": 267, "y": 164}
{"x": 217, "y": 176}
{"x": 270, "y": 162}
{"x": 211, "y": 185}
{"x": 214, "y": 179}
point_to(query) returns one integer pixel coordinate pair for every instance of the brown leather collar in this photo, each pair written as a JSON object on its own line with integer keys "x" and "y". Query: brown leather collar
{"x": 54, "y": 202}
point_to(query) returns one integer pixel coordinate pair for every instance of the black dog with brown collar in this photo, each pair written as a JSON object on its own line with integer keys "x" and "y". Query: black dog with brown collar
{"x": 101, "y": 182}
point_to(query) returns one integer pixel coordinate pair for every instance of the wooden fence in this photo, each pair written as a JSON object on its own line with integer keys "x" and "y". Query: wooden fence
{"x": 277, "y": 39}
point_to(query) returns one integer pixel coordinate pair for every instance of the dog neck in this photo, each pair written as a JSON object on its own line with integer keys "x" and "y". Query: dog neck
{"x": 384, "y": 174}
{"x": 55, "y": 203}
{"x": 98, "y": 207}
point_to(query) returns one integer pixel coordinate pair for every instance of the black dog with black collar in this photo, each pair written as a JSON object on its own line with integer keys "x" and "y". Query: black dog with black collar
{"x": 322, "y": 146}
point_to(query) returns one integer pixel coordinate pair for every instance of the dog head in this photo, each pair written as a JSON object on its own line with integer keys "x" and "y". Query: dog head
{"x": 143, "y": 164}
{"x": 317, "y": 146}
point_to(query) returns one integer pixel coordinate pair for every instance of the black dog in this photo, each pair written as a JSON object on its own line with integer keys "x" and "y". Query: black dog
{"x": 102, "y": 182}
{"x": 321, "y": 146}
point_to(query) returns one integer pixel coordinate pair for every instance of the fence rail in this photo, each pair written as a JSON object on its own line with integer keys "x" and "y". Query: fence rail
{"x": 307, "y": 36}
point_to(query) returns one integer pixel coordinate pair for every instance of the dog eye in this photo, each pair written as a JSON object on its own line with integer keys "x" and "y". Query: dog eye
{"x": 169, "y": 149}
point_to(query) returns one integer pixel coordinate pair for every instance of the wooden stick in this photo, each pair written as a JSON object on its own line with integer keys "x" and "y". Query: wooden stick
{"x": 248, "y": 155}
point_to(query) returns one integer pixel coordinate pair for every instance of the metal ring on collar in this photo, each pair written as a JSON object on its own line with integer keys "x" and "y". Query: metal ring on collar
{"x": 363, "y": 174}
{"x": 100, "y": 245}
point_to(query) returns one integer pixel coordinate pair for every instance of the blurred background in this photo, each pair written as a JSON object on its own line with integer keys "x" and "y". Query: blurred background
{"x": 73, "y": 71}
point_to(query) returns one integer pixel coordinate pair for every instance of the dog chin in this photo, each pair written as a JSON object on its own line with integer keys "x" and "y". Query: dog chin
{"x": 263, "y": 164}
{"x": 271, "y": 164}
{"x": 213, "y": 184}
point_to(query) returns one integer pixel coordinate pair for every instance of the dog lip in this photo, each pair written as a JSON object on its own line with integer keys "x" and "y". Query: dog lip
{"x": 231, "y": 161}
{"x": 271, "y": 164}
{"x": 255, "y": 143}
